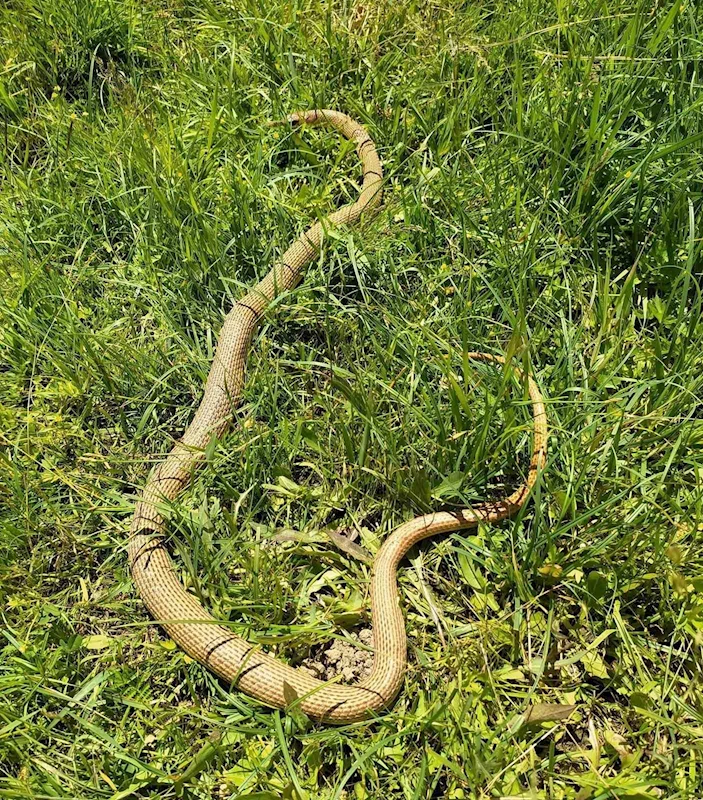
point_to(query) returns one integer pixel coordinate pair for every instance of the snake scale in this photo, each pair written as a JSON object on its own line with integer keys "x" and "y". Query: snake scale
{"x": 180, "y": 613}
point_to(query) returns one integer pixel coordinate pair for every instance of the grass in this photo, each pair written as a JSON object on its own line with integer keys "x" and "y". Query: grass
{"x": 543, "y": 198}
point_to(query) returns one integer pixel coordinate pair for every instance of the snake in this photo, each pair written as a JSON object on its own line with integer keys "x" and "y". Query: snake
{"x": 240, "y": 662}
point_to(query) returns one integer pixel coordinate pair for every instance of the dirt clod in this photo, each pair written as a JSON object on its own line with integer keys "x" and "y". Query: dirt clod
{"x": 342, "y": 658}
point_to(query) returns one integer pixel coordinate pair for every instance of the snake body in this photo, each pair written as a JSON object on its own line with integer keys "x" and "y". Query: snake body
{"x": 180, "y": 613}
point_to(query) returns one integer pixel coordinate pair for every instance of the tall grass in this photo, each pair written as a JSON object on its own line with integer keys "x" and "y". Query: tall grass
{"x": 543, "y": 199}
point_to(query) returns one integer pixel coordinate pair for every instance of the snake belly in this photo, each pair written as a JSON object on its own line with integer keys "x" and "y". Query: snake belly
{"x": 180, "y": 613}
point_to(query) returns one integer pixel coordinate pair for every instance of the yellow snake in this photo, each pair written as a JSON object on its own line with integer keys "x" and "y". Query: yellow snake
{"x": 180, "y": 613}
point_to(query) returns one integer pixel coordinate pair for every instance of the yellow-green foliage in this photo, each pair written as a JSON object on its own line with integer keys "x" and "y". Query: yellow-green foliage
{"x": 543, "y": 198}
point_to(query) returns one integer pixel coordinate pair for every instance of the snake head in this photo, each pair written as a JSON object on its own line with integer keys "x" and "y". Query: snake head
{"x": 293, "y": 119}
